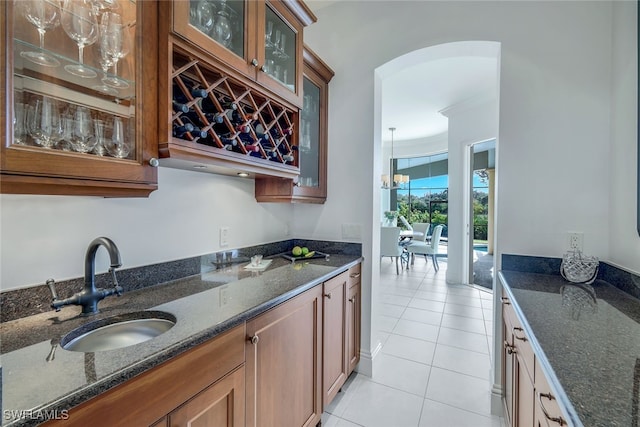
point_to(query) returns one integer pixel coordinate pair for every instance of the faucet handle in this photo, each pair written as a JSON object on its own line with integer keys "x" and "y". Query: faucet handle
{"x": 116, "y": 287}
{"x": 52, "y": 287}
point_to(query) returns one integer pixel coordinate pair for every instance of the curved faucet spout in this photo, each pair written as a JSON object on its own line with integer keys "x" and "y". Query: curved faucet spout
{"x": 91, "y": 295}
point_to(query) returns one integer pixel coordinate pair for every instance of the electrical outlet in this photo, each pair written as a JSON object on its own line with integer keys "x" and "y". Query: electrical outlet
{"x": 224, "y": 236}
{"x": 224, "y": 295}
{"x": 576, "y": 240}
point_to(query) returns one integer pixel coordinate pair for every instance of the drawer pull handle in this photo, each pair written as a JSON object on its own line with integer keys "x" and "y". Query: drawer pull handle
{"x": 352, "y": 299}
{"x": 505, "y": 300}
{"x": 549, "y": 396}
{"x": 328, "y": 295}
{"x": 254, "y": 339}
{"x": 511, "y": 349}
{"x": 355, "y": 275}
{"x": 522, "y": 338}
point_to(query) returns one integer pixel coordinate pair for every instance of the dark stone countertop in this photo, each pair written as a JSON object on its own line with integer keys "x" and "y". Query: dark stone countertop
{"x": 587, "y": 340}
{"x": 205, "y": 305}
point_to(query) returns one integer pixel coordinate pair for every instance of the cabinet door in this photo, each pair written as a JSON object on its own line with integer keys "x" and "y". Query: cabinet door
{"x": 283, "y": 364}
{"x": 279, "y": 42}
{"x": 74, "y": 122}
{"x": 353, "y": 319}
{"x": 334, "y": 344}
{"x": 224, "y": 29}
{"x": 220, "y": 405}
{"x": 547, "y": 410}
{"x": 508, "y": 362}
{"x": 524, "y": 395}
{"x": 311, "y": 185}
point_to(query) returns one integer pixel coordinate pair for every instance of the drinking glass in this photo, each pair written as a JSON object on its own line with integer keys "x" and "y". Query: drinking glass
{"x": 19, "y": 126}
{"x": 105, "y": 59}
{"x": 81, "y": 24}
{"x": 119, "y": 47}
{"x": 100, "y": 131}
{"x": 222, "y": 26}
{"x": 44, "y": 15}
{"x": 268, "y": 33}
{"x": 205, "y": 13}
{"x": 43, "y": 118}
{"x": 116, "y": 144}
{"x": 82, "y": 137}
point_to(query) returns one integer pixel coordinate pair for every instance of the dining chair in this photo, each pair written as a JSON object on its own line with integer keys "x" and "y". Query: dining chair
{"x": 389, "y": 244}
{"x": 421, "y": 227}
{"x": 427, "y": 248}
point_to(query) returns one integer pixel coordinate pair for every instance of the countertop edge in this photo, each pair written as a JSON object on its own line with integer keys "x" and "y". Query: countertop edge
{"x": 554, "y": 383}
{"x": 85, "y": 394}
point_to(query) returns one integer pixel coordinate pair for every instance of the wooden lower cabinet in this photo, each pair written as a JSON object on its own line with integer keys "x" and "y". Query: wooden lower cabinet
{"x": 353, "y": 318}
{"x": 199, "y": 379}
{"x": 219, "y": 405}
{"x": 528, "y": 398}
{"x": 284, "y": 363}
{"x": 335, "y": 364}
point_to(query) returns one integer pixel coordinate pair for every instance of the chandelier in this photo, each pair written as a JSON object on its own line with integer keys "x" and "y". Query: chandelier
{"x": 398, "y": 179}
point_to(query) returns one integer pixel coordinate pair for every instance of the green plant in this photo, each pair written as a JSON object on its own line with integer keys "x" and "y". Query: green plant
{"x": 391, "y": 215}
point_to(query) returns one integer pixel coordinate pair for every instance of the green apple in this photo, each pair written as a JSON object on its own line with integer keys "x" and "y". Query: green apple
{"x": 296, "y": 251}
{"x": 305, "y": 250}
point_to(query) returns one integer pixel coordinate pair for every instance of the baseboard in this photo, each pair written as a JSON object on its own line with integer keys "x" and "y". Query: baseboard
{"x": 365, "y": 366}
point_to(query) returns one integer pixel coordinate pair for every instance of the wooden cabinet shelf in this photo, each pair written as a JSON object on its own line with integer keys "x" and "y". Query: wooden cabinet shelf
{"x": 69, "y": 151}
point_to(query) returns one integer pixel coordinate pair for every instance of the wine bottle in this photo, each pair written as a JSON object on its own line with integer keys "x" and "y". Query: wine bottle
{"x": 252, "y": 148}
{"x": 243, "y": 128}
{"x": 179, "y": 96}
{"x": 288, "y": 158}
{"x": 195, "y": 131}
{"x": 229, "y": 105}
{"x": 179, "y": 131}
{"x": 179, "y": 107}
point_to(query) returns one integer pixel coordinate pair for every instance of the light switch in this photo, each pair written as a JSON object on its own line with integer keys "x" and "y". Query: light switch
{"x": 224, "y": 236}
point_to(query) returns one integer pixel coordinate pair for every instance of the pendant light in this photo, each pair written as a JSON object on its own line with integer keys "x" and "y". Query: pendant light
{"x": 398, "y": 179}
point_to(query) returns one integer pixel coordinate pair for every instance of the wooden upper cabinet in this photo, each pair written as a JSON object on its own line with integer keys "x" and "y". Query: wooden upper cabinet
{"x": 73, "y": 120}
{"x": 311, "y": 185}
{"x": 262, "y": 40}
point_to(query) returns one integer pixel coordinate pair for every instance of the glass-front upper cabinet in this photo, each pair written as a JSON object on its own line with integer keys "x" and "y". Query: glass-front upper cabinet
{"x": 73, "y": 122}
{"x": 311, "y": 184}
{"x": 260, "y": 39}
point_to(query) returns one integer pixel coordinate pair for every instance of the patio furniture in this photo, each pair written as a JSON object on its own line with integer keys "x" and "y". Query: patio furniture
{"x": 390, "y": 246}
{"x": 427, "y": 248}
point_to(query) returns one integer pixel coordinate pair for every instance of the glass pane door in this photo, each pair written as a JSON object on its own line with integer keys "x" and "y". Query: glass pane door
{"x": 221, "y": 20}
{"x": 310, "y": 136}
{"x": 74, "y": 76}
{"x": 280, "y": 50}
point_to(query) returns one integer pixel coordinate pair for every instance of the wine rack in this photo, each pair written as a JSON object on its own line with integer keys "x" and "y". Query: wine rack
{"x": 214, "y": 112}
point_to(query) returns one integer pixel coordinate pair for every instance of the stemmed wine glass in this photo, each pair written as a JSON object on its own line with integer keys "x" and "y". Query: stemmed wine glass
{"x": 105, "y": 47}
{"x": 222, "y": 26}
{"x": 116, "y": 143}
{"x": 81, "y": 24}
{"x": 44, "y": 15}
{"x": 118, "y": 48}
{"x": 204, "y": 16}
{"x": 44, "y": 124}
{"x": 81, "y": 133}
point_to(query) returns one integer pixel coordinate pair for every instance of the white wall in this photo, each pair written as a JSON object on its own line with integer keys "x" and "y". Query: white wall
{"x": 47, "y": 236}
{"x": 555, "y": 131}
{"x": 624, "y": 243}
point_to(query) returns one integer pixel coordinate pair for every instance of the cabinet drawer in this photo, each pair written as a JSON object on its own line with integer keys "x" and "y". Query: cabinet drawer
{"x": 164, "y": 387}
{"x": 354, "y": 274}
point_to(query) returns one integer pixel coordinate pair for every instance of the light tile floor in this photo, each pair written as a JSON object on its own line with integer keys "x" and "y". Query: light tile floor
{"x": 434, "y": 366}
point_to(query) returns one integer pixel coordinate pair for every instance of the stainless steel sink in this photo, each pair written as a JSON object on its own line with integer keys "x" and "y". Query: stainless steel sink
{"x": 118, "y": 331}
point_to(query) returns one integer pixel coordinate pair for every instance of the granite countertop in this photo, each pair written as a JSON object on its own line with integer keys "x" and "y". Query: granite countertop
{"x": 587, "y": 339}
{"x": 205, "y": 305}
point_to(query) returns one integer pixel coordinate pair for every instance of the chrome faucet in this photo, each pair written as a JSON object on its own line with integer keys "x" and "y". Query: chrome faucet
{"x": 89, "y": 297}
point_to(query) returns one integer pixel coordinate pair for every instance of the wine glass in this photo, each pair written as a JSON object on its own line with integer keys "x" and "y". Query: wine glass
{"x": 222, "y": 26}
{"x": 81, "y": 24}
{"x": 44, "y": 124}
{"x": 44, "y": 15}
{"x": 116, "y": 144}
{"x": 118, "y": 48}
{"x": 19, "y": 126}
{"x": 100, "y": 130}
{"x": 105, "y": 43}
{"x": 204, "y": 16}
{"x": 82, "y": 137}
